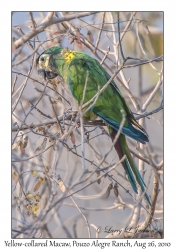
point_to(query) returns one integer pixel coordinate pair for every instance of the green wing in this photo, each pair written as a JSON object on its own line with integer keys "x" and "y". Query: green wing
{"x": 109, "y": 103}
{"x": 129, "y": 112}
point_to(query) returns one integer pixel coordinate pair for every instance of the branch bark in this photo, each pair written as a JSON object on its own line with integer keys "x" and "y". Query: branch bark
{"x": 49, "y": 20}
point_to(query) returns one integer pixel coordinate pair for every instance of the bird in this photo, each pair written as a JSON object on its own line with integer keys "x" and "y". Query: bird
{"x": 79, "y": 70}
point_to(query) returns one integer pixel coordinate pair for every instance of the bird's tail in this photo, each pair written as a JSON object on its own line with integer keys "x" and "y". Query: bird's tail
{"x": 131, "y": 170}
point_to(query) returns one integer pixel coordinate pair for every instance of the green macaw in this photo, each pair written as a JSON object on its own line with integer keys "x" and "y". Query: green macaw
{"x": 72, "y": 66}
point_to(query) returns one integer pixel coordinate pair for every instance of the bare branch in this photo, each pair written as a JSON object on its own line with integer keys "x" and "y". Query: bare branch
{"x": 46, "y": 23}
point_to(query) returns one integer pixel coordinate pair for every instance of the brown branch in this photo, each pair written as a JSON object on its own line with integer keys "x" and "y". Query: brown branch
{"x": 29, "y": 158}
{"x": 23, "y": 85}
{"x": 47, "y": 22}
{"x": 160, "y": 107}
{"x": 90, "y": 123}
{"x": 88, "y": 184}
{"x": 18, "y": 73}
{"x": 127, "y": 27}
{"x": 40, "y": 112}
{"x": 100, "y": 31}
{"x": 150, "y": 215}
{"x": 58, "y": 122}
{"x": 119, "y": 39}
{"x": 105, "y": 56}
{"x": 60, "y": 118}
{"x": 158, "y": 59}
{"x": 14, "y": 83}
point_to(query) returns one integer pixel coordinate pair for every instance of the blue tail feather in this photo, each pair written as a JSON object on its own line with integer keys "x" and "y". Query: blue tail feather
{"x": 129, "y": 131}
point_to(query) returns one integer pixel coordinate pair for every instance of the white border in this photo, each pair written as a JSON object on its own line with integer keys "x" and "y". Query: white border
{"x": 5, "y": 100}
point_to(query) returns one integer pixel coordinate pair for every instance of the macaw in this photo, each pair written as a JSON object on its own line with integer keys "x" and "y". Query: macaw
{"x": 73, "y": 66}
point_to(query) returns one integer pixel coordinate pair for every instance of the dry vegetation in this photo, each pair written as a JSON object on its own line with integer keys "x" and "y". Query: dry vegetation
{"x": 52, "y": 197}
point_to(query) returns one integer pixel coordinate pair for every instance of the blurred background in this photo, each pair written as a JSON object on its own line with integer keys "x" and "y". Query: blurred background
{"x": 39, "y": 179}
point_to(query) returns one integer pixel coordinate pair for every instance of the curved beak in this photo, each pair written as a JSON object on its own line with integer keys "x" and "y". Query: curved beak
{"x": 46, "y": 74}
{"x": 50, "y": 74}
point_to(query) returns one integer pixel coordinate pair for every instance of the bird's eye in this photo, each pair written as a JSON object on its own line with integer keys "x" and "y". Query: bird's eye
{"x": 42, "y": 58}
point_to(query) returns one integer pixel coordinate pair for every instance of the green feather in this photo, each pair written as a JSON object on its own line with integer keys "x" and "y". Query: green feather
{"x": 72, "y": 67}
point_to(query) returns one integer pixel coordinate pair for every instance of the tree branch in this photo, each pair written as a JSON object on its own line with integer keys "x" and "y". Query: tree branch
{"x": 49, "y": 20}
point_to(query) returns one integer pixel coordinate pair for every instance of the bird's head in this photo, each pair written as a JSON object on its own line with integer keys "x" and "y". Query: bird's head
{"x": 44, "y": 63}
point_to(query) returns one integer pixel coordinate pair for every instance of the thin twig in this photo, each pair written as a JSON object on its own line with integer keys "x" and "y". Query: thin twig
{"x": 121, "y": 50}
{"x": 100, "y": 31}
{"x": 105, "y": 56}
{"x": 14, "y": 83}
{"x": 23, "y": 85}
{"x": 58, "y": 122}
{"x": 151, "y": 96}
{"x": 48, "y": 21}
{"x": 88, "y": 226}
{"x": 27, "y": 57}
